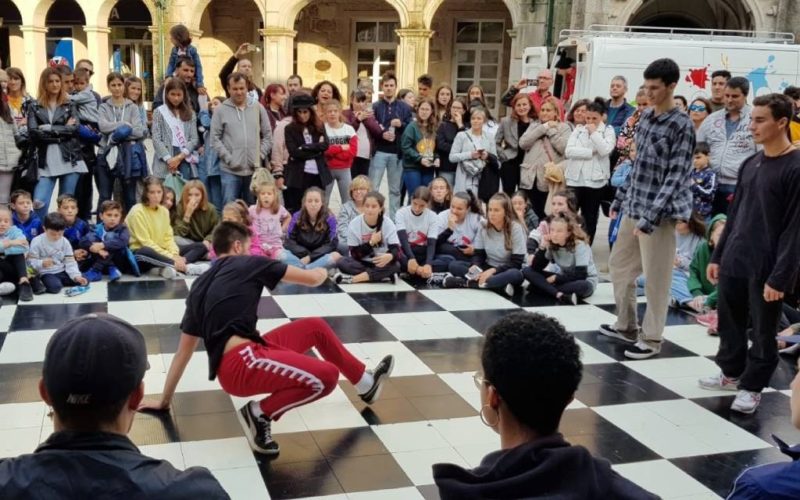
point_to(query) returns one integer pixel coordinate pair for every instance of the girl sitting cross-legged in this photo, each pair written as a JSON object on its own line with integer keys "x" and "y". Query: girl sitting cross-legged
{"x": 311, "y": 240}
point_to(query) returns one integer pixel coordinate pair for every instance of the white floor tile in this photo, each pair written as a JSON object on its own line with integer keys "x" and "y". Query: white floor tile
{"x": 410, "y": 436}
{"x": 397, "y": 286}
{"x": 679, "y": 374}
{"x": 582, "y": 318}
{"x": 265, "y": 325}
{"x": 19, "y": 441}
{"x": 218, "y": 453}
{"x": 693, "y": 338}
{"x": 463, "y": 384}
{"x": 466, "y": 431}
{"x": 168, "y": 312}
{"x": 679, "y": 428}
{"x": 25, "y": 346}
{"x": 171, "y": 452}
{"x": 195, "y": 376}
{"x": 6, "y": 317}
{"x": 473, "y": 453}
{"x": 468, "y": 300}
{"x": 323, "y": 304}
{"x": 425, "y": 325}
{"x": 664, "y": 479}
{"x": 604, "y": 295}
{"x": 135, "y": 312}
{"x": 322, "y": 415}
{"x": 418, "y": 465}
{"x": 242, "y": 482}
{"x": 590, "y": 355}
{"x": 393, "y": 494}
{"x": 406, "y": 363}
{"x": 16, "y": 415}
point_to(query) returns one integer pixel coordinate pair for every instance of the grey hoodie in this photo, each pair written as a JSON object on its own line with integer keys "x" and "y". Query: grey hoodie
{"x": 111, "y": 118}
{"x": 727, "y": 153}
{"x": 241, "y": 137}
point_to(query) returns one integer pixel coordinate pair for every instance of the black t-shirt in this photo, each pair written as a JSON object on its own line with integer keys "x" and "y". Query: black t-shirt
{"x": 224, "y": 301}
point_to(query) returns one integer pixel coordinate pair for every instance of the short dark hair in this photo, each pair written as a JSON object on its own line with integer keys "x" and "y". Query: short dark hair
{"x": 20, "y": 193}
{"x": 63, "y": 198}
{"x": 702, "y": 148}
{"x": 664, "y": 69}
{"x": 80, "y": 418}
{"x": 181, "y": 60}
{"x": 55, "y": 221}
{"x": 389, "y": 75}
{"x": 682, "y": 99}
{"x": 87, "y": 61}
{"x": 780, "y": 106}
{"x": 114, "y": 75}
{"x": 296, "y": 77}
{"x": 739, "y": 82}
{"x": 63, "y": 70}
{"x": 792, "y": 92}
{"x": 598, "y": 106}
{"x": 724, "y": 73}
{"x": 237, "y": 76}
{"x": 226, "y": 233}
{"x": 426, "y": 80}
{"x": 534, "y": 365}
{"x": 110, "y": 205}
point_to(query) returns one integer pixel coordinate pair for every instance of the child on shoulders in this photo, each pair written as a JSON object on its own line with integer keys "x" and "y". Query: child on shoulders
{"x": 52, "y": 257}
{"x": 182, "y": 46}
{"x": 107, "y": 245}
{"x": 23, "y": 215}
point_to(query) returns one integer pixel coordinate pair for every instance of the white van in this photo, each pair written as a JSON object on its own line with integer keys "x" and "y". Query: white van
{"x": 769, "y": 60}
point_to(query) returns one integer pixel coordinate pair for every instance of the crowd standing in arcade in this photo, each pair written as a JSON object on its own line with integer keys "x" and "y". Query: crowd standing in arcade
{"x": 701, "y": 195}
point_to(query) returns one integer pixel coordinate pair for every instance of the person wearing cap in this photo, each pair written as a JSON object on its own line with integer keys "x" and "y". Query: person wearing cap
{"x": 306, "y": 143}
{"x": 241, "y": 136}
{"x": 92, "y": 377}
{"x": 222, "y": 309}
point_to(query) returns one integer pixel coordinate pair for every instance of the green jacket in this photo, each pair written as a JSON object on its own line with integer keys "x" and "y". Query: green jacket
{"x": 200, "y": 226}
{"x": 698, "y": 283}
{"x": 410, "y": 145}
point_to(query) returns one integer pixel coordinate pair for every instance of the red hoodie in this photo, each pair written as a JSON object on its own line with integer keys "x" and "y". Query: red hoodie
{"x": 337, "y": 157}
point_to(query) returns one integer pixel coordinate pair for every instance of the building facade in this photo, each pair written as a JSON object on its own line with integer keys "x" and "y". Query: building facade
{"x": 458, "y": 42}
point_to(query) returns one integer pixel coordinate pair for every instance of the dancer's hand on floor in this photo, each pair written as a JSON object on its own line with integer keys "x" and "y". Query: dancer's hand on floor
{"x": 153, "y": 405}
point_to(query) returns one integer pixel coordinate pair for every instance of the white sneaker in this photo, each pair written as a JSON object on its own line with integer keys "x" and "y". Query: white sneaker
{"x": 168, "y": 273}
{"x": 7, "y": 288}
{"x": 746, "y": 401}
{"x": 719, "y": 382}
{"x": 509, "y": 290}
{"x": 197, "y": 269}
{"x": 156, "y": 271}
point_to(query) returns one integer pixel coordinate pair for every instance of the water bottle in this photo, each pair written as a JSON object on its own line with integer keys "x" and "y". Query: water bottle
{"x": 76, "y": 290}
{"x": 391, "y": 130}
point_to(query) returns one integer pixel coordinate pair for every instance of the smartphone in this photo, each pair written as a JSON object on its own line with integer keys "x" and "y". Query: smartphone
{"x": 533, "y": 82}
{"x": 473, "y": 273}
{"x": 481, "y": 150}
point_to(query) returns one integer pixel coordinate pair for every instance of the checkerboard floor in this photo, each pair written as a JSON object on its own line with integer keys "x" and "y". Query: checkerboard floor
{"x": 647, "y": 417}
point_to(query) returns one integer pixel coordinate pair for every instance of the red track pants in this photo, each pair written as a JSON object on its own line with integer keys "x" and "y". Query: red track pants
{"x": 282, "y": 369}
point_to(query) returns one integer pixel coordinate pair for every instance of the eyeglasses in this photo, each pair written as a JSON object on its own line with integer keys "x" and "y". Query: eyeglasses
{"x": 697, "y": 107}
{"x": 479, "y": 379}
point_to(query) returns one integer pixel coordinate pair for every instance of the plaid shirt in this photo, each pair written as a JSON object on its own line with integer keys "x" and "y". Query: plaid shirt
{"x": 659, "y": 186}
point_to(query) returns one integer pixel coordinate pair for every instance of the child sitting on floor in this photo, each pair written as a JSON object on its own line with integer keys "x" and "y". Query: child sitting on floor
{"x": 76, "y": 228}
{"x": 270, "y": 218}
{"x": 23, "y": 215}
{"x": 311, "y": 240}
{"x": 107, "y": 245}
{"x": 13, "y": 246}
{"x": 52, "y": 257}
{"x": 417, "y": 229}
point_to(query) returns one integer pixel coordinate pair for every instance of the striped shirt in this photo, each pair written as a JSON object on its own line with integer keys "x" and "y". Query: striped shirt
{"x": 659, "y": 186}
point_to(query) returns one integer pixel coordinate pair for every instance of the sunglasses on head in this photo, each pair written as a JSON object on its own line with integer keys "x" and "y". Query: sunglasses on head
{"x": 697, "y": 107}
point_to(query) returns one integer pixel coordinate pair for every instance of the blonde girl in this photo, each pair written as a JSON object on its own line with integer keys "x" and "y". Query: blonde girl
{"x": 270, "y": 218}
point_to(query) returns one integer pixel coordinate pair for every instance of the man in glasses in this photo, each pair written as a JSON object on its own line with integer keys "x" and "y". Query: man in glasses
{"x": 544, "y": 81}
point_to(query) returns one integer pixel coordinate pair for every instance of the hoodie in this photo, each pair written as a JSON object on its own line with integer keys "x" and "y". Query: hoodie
{"x": 241, "y": 137}
{"x": 548, "y": 467}
{"x": 727, "y": 153}
{"x": 698, "y": 282}
{"x": 112, "y": 117}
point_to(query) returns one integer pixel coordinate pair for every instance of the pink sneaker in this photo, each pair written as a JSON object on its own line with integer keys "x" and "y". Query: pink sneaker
{"x": 708, "y": 320}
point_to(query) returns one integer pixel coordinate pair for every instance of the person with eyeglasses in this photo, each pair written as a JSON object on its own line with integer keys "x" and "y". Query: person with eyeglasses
{"x": 544, "y": 81}
{"x": 699, "y": 110}
{"x": 530, "y": 370}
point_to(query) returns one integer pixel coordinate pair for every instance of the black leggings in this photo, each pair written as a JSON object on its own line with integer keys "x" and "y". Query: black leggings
{"x": 149, "y": 258}
{"x": 349, "y": 265}
{"x": 13, "y": 268}
{"x": 589, "y": 204}
{"x": 538, "y": 281}
{"x": 360, "y": 167}
{"x": 193, "y": 252}
{"x": 538, "y": 200}
{"x": 509, "y": 174}
{"x": 498, "y": 281}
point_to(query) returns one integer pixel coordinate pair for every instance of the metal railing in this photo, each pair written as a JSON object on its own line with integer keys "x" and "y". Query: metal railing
{"x": 656, "y": 32}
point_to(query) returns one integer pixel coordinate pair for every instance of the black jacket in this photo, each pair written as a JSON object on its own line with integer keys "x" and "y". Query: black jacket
{"x": 227, "y": 71}
{"x": 545, "y": 468}
{"x": 74, "y": 465}
{"x": 300, "y": 152}
{"x": 444, "y": 143}
{"x": 66, "y": 136}
{"x": 311, "y": 243}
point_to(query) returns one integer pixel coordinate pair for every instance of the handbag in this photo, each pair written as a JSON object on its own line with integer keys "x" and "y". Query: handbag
{"x": 175, "y": 182}
{"x": 489, "y": 183}
{"x": 26, "y": 175}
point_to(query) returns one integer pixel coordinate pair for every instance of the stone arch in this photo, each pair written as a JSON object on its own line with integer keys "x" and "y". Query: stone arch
{"x": 288, "y": 11}
{"x": 33, "y": 12}
{"x": 429, "y": 11}
{"x": 199, "y": 8}
{"x": 103, "y": 10}
{"x": 634, "y": 7}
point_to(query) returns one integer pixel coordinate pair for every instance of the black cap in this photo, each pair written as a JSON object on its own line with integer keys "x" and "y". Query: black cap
{"x": 92, "y": 360}
{"x": 302, "y": 101}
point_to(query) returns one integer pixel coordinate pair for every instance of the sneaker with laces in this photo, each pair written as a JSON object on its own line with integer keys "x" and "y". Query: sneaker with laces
{"x": 379, "y": 374}
{"x": 437, "y": 279}
{"x": 343, "y": 279}
{"x": 197, "y": 269}
{"x": 258, "y": 430}
{"x": 719, "y": 382}
{"x": 643, "y": 349}
{"x": 454, "y": 282}
{"x": 509, "y": 290}
{"x": 7, "y": 288}
{"x": 25, "y": 292}
{"x": 610, "y": 331}
{"x": 569, "y": 299}
{"x": 168, "y": 273}
{"x": 93, "y": 275}
{"x": 114, "y": 273}
{"x": 746, "y": 401}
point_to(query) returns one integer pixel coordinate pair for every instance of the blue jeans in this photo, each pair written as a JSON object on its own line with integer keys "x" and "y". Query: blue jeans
{"x": 235, "y": 187}
{"x": 326, "y": 261}
{"x": 390, "y": 164}
{"x": 213, "y": 185}
{"x": 416, "y": 178}
{"x": 44, "y": 190}
{"x": 105, "y": 187}
{"x": 679, "y": 288}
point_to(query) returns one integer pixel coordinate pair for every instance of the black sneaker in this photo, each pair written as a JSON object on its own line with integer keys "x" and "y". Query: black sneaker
{"x": 610, "y": 331}
{"x": 343, "y": 279}
{"x": 570, "y": 299}
{"x": 437, "y": 279}
{"x": 390, "y": 279}
{"x": 454, "y": 282}
{"x": 643, "y": 350}
{"x": 380, "y": 374}
{"x": 258, "y": 430}
{"x": 25, "y": 292}
{"x": 37, "y": 285}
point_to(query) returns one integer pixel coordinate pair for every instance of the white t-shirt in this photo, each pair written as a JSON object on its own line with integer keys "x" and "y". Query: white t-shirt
{"x": 359, "y": 233}
{"x": 420, "y": 227}
{"x": 465, "y": 233}
{"x": 363, "y": 142}
{"x": 311, "y": 165}
{"x": 341, "y": 135}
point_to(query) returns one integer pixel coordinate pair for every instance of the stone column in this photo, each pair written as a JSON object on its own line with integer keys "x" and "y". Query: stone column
{"x": 278, "y": 53}
{"x": 16, "y": 45}
{"x": 159, "y": 64}
{"x": 412, "y": 55}
{"x": 35, "y": 52}
{"x": 97, "y": 45}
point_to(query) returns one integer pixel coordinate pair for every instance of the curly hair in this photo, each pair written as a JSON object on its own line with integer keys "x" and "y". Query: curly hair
{"x": 534, "y": 365}
{"x": 576, "y": 232}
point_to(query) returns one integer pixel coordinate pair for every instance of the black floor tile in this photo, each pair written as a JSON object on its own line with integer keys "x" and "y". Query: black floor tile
{"x": 154, "y": 428}
{"x": 394, "y": 302}
{"x": 448, "y": 355}
{"x": 51, "y": 316}
{"x": 421, "y": 385}
{"x": 269, "y": 309}
{"x": 613, "y": 384}
{"x": 718, "y": 472}
{"x": 616, "y": 348}
{"x": 675, "y": 317}
{"x": 354, "y": 329}
{"x": 390, "y": 411}
{"x": 784, "y": 373}
{"x": 297, "y": 447}
{"x": 373, "y": 472}
{"x": 773, "y": 416}
{"x": 19, "y": 382}
{"x": 480, "y": 321}
{"x": 443, "y": 407}
{"x": 602, "y": 438}
{"x": 147, "y": 290}
{"x": 164, "y": 339}
{"x": 523, "y": 298}
{"x": 291, "y": 289}
{"x": 355, "y": 442}
{"x": 201, "y": 402}
{"x": 209, "y": 426}
{"x": 299, "y": 479}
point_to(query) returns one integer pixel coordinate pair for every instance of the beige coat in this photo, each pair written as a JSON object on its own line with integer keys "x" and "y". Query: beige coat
{"x": 533, "y": 142}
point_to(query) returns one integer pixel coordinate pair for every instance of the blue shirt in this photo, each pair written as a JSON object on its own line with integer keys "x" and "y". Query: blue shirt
{"x": 32, "y": 227}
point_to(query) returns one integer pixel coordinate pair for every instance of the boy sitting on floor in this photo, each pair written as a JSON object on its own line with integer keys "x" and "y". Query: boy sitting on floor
{"x": 51, "y": 256}
{"x": 107, "y": 245}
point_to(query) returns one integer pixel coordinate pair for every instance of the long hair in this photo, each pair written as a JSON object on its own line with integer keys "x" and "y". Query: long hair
{"x": 180, "y": 34}
{"x": 532, "y": 114}
{"x": 304, "y": 221}
{"x": 276, "y": 200}
{"x": 552, "y": 101}
{"x": 184, "y": 110}
{"x": 239, "y": 208}
{"x": 448, "y": 196}
{"x": 580, "y": 103}
{"x": 375, "y": 195}
{"x": 272, "y": 88}
{"x": 429, "y": 126}
{"x": 42, "y": 94}
{"x": 448, "y": 116}
{"x": 509, "y": 218}
{"x": 313, "y": 124}
{"x": 17, "y": 74}
{"x": 569, "y": 196}
{"x": 576, "y": 232}
{"x": 134, "y": 80}
{"x": 195, "y": 184}
{"x": 148, "y": 181}
{"x": 472, "y": 201}
{"x": 335, "y": 94}
{"x": 441, "y": 110}
{"x": 482, "y": 100}
{"x": 697, "y": 225}
{"x": 5, "y": 110}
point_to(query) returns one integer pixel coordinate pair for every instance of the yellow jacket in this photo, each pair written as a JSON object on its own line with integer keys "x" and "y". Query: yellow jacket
{"x": 150, "y": 227}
